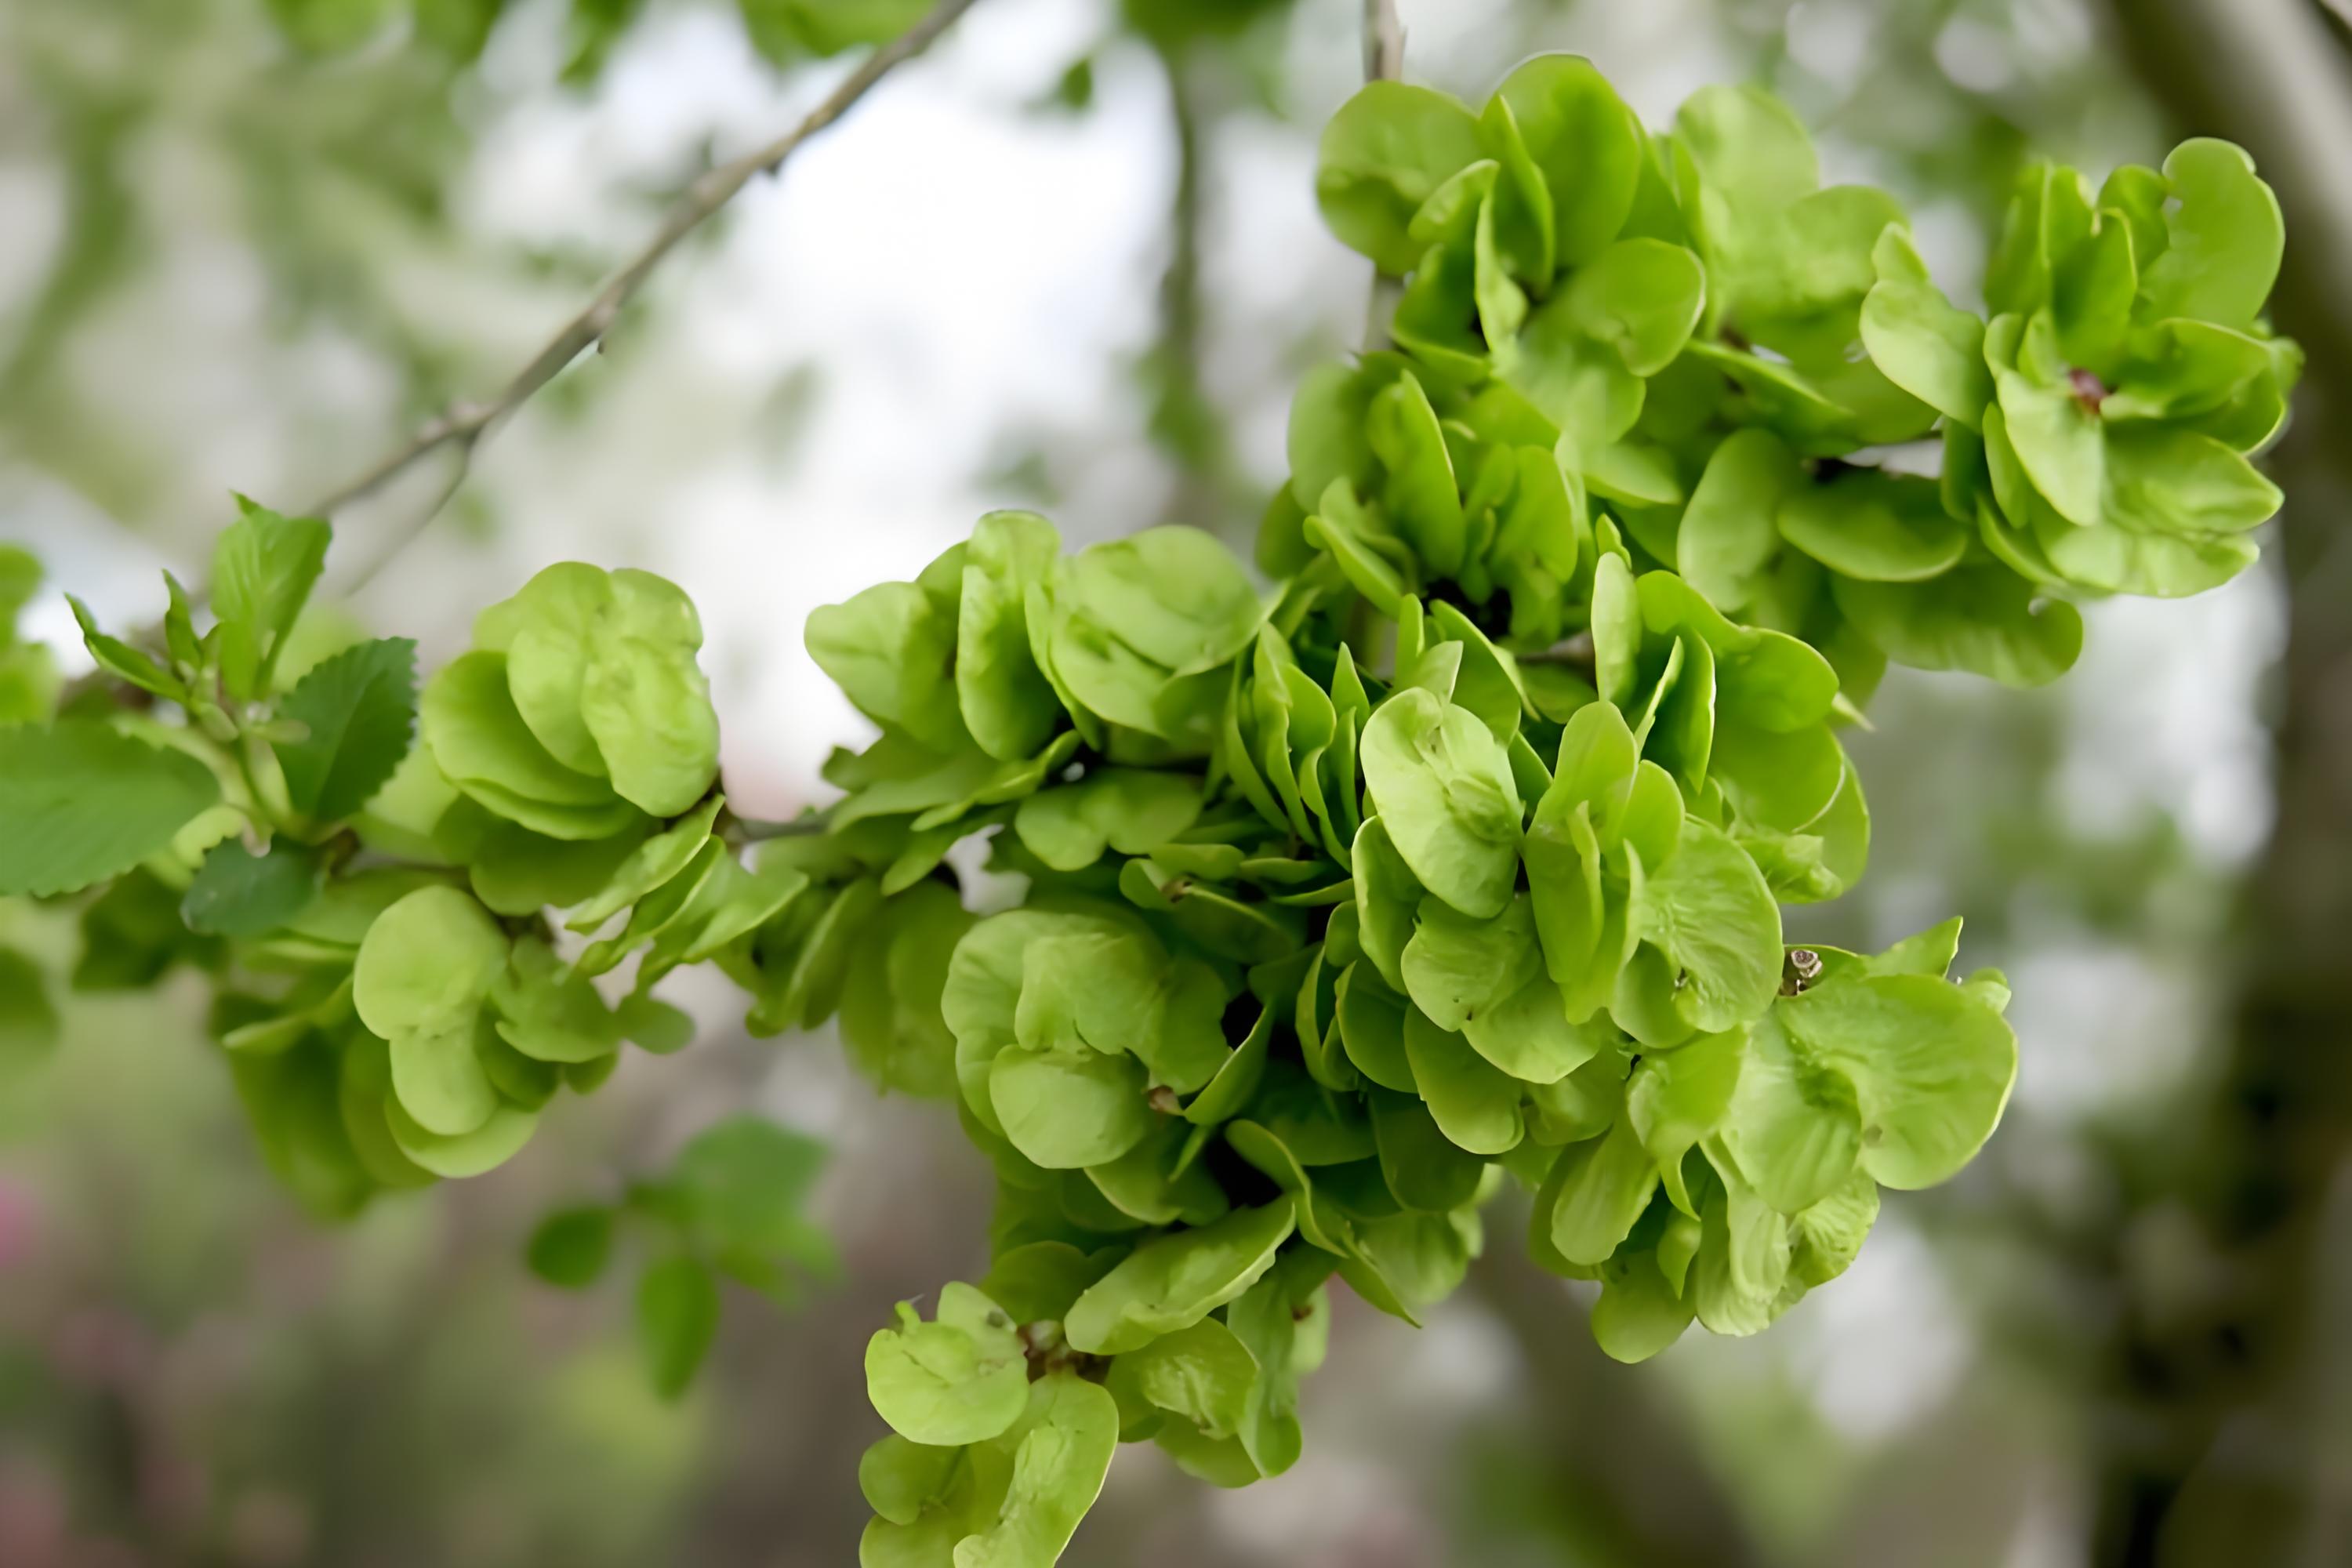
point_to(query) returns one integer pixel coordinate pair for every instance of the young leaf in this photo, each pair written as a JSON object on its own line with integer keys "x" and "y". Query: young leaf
{"x": 1442, "y": 786}
{"x": 124, "y": 662}
{"x": 677, "y": 1317}
{"x": 263, "y": 570}
{"x": 960, "y": 1379}
{"x": 571, "y": 1246}
{"x": 1382, "y": 155}
{"x": 745, "y": 1183}
{"x": 29, "y": 1020}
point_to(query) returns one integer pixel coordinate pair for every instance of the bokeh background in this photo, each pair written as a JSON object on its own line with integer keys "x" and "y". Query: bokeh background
{"x": 1070, "y": 259}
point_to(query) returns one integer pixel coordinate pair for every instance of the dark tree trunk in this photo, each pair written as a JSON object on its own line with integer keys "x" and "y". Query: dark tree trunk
{"x": 2210, "y": 1446}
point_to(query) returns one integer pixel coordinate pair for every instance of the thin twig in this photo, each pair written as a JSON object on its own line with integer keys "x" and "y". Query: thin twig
{"x": 466, "y": 424}
{"x": 1384, "y": 61}
{"x": 1384, "y": 42}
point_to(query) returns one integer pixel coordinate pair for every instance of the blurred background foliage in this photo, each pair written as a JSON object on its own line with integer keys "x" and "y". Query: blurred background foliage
{"x": 1071, "y": 260}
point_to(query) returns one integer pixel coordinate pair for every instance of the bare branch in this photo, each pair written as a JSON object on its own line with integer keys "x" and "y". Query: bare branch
{"x": 466, "y": 426}
{"x": 1384, "y": 42}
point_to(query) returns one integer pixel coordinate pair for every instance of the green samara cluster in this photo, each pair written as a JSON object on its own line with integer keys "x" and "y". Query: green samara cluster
{"x": 1458, "y": 859}
{"x": 367, "y": 876}
{"x": 1452, "y": 861}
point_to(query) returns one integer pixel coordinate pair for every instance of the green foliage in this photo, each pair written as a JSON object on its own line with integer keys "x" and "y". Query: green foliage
{"x": 1458, "y": 859}
{"x": 238, "y": 893}
{"x": 29, "y": 1020}
{"x": 84, "y": 802}
{"x": 783, "y": 30}
{"x": 677, "y": 1317}
{"x": 28, "y": 678}
{"x": 730, "y": 1206}
{"x": 358, "y": 712}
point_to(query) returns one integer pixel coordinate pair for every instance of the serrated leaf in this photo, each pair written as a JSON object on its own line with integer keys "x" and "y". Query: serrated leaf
{"x": 360, "y": 710}
{"x": 238, "y": 893}
{"x": 81, "y": 802}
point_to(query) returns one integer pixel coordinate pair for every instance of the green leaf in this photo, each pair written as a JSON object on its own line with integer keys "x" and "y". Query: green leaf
{"x": 1130, "y": 810}
{"x": 1638, "y": 1312}
{"x": 1878, "y": 528}
{"x": 645, "y": 699}
{"x": 1065, "y": 1110}
{"x": 263, "y": 570}
{"x": 1931, "y": 1066}
{"x": 2049, "y": 213}
{"x": 1006, "y": 701}
{"x": 677, "y": 1317}
{"x": 1586, "y": 143}
{"x": 81, "y": 802}
{"x": 2164, "y": 480}
{"x": 1382, "y": 155}
{"x": 1792, "y": 1126}
{"x": 1038, "y": 1282}
{"x": 1443, "y": 790}
{"x": 359, "y": 710}
{"x": 1749, "y": 145}
{"x": 426, "y": 964}
{"x": 1388, "y": 898}
{"x": 124, "y": 662}
{"x": 890, "y": 1001}
{"x": 1173, "y": 1281}
{"x": 2226, "y": 238}
{"x": 890, "y": 650}
{"x": 458, "y": 28}
{"x": 1424, "y": 1168}
{"x": 1474, "y": 1102}
{"x": 1923, "y": 343}
{"x": 960, "y": 1379}
{"x": 1457, "y": 967}
{"x": 517, "y": 872}
{"x": 1728, "y": 539}
{"x": 550, "y": 632}
{"x": 1828, "y": 1236}
{"x": 483, "y": 746}
{"x": 1424, "y": 504}
{"x": 1677, "y": 1097}
{"x": 29, "y": 1020}
{"x": 2058, "y": 443}
{"x": 238, "y": 893}
{"x": 571, "y": 1248}
{"x": 1983, "y": 619}
{"x": 651, "y": 866}
{"x": 902, "y": 1479}
{"x": 1202, "y": 1374}
{"x": 1604, "y": 1186}
{"x": 460, "y": 1155}
{"x": 1065, "y": 1444}
{"x": 1175, "y": 596}
{"x": 2091, "y": 298}
{"x": 1641, "y": 297}
{"x": 1528, "y": 1034}
{"x": 744, "y": 1183}
{"x": 1708, "y": 909}
{"x": 441, "y": 1076}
